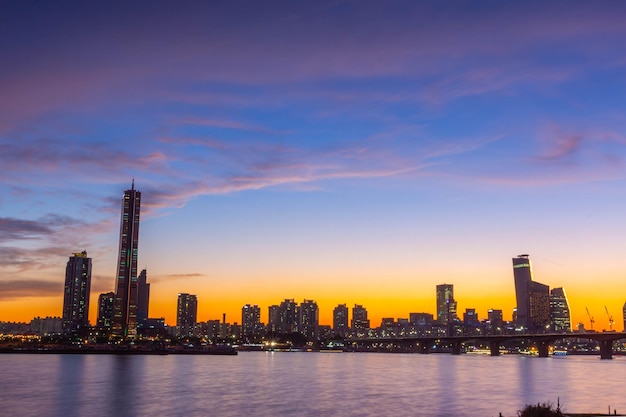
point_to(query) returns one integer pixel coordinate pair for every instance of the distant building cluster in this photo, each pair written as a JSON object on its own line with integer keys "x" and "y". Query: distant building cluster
{"x": 124, "y": 312}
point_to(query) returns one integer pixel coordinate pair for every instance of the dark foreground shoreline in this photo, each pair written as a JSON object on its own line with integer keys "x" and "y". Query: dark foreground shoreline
{"x": 114, "y": 351}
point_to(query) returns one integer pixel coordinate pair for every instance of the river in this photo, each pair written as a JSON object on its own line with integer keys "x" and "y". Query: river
{"x": 281, "y": 384}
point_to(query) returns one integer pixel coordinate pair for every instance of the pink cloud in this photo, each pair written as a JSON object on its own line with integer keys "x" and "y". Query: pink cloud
{"x": 228, "y": 124}
{"x": 206, "y": 142}
{"x": 562, "y": 147}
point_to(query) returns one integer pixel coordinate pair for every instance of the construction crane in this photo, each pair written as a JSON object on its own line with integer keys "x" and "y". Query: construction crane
{"x": 591, "y": 320}
{"x": 611, "y": 322}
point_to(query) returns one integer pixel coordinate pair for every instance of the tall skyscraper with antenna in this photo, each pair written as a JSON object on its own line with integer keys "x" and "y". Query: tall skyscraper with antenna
{"x": 126, "y": 294}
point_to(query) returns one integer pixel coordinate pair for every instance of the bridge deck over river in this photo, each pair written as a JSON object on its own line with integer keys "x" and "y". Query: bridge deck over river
{"x": 423, "y": 344}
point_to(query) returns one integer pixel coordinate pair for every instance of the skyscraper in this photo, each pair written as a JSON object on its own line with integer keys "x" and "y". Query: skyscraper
{"x": 340, "y": 320}
{"x": 288, "y": 316}
{"x": 446, "y": 306}
{"x": 125, "y": 305}
{"x": 273, "y": 319}
{"x": 105, "y": 311}
{"x": 470, "y": 318}
{"x": 308, "y": 319}
{"x": 359, "y": 318}
{"x": 76, "y": 293}
{"x": 533, "y": 298}
{"x": 186, "y": 312}
{"x": 143, "y": 296}
{"x": 560, "y": 320}
{"x": 624, "y": 315}
{"x": 495, "y": 317}
{"x": 250, "y": 322}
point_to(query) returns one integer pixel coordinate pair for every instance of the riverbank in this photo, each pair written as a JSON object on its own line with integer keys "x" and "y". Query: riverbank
{"x": 221, "y": 350}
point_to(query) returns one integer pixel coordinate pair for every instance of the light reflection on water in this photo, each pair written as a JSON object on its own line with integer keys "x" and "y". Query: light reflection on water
{"x": 304, "y": 384}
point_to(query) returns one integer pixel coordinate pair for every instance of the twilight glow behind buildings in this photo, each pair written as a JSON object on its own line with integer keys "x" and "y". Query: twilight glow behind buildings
{"x": 345, "y": 152}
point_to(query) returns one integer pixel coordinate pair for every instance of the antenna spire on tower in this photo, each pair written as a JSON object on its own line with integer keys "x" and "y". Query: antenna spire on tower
{"x": 133, "y": 184}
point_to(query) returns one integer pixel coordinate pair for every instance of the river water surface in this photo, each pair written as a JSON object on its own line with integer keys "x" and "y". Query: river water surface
{"x": 305, "y": 384}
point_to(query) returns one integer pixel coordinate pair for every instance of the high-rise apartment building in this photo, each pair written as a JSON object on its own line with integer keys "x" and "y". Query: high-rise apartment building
{"x": 340, "y": 320}
{"x": 46, "y": 326}
{"x": 308, "y": 320}
{"x": 359, "y": 318}
{"x": 446, "y": 305}
{"x": 126, "y": 294}
{"x": 288, "y": 316}
{"x": 560, "y": 320}
{"x": 470, "y": 317}
{"x": 533, "y": 298}
{"x": 186, "y": 313}
{"x": 143, "y": 296}
{"x": 105, "y": 311}
{"x": 250, "y": 322}
{"x": 273, "y": 319}
{"x": 76, "y": 293}
{"x": 495, "y": 317}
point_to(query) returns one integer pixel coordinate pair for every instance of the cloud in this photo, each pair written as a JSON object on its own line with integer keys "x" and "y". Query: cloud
{"x": 15, "y": 289}
{"x": 205, "y": 51}
{"x": 102, "y": 283}
{"x": 67, "y": 158}
{"x": 582, "y": 146}
{"x": 191, "y": 275}
{"x": 161, "y": 278}
{"x": 18, "y": 229}
{"x": 26, "y": 259}
{"x": 228, "y": 124}
{"x": 562, "y": 147}
{"x": 205, "y": 142}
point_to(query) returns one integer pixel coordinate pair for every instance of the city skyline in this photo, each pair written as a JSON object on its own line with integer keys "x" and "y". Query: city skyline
{"x": 342, "y": 152}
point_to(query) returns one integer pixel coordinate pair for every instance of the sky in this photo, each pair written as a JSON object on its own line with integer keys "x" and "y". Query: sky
{"x": 356, "y": 152}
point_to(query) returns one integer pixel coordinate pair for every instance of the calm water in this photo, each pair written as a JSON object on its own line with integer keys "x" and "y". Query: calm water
{"x": 304, "y": 384}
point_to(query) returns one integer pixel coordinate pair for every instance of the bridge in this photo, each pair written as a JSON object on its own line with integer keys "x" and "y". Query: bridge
{"x": 423, "y": 344}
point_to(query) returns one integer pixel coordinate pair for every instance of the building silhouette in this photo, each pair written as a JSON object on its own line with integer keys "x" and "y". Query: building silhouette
{"x": 533, "y": 298}
{"x": 446, "y": 305}
{"x": 76, "y": 293}
{"x": 560, "y": 319}
{"x": 273, "y": 319}
{"x": 359, "y": 318}
{"x": 624, "y": 315}
{"x": 421, "y": 319}
{"x": 308, "y": 319}
{"x": 250, "y": 322}
{"x": 126, "y": 294}
{"x": 186, "y": 313}
{"x": 340, "y": 320}
{"x": 105, "y": 311}
{"x": 495, "y": 318}
{"x": 143, "y": 296}
{"x": 288, "y": 316}
{"x": 46, "y": 325}
{"x": 470, "y": 317}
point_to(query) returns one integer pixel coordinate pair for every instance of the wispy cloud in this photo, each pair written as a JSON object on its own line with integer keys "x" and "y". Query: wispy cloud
{"x": 16, "y": 289}
{"x": 562, "y": 147}
{"x": 21, "y": 259}
{"x": 169, "y": 277}
{"x": 17, "y": 229}
{"x": 68, "y": 158}
{"x": 228, "y": 124}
